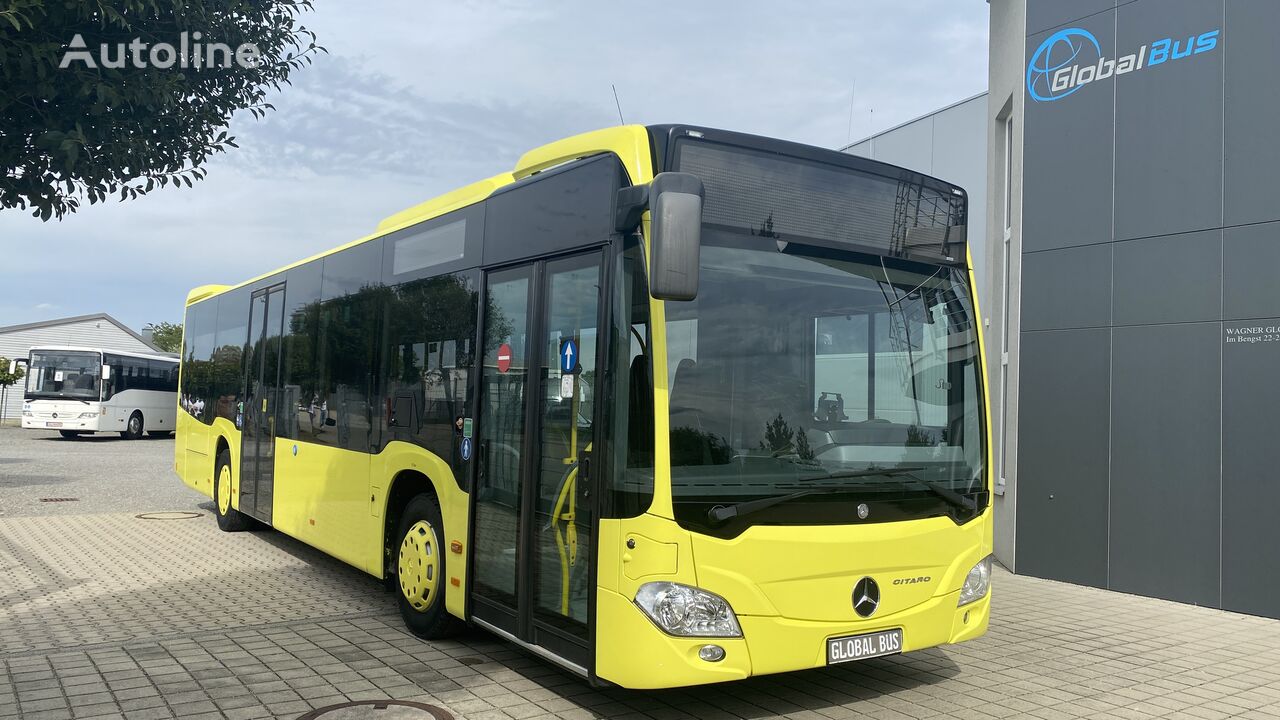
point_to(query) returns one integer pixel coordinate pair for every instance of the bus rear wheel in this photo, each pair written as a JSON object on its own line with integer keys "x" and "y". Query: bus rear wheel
{"x": 229, "y": 518}
{"x": 133, "y": 428}
{"x": 420, "y": 570}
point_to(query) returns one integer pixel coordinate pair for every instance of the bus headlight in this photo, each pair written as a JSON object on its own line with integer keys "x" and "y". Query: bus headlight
{"x": 88, "y": 415}
{"x": 977, "y": 584}
{"x": 687, "y": 611}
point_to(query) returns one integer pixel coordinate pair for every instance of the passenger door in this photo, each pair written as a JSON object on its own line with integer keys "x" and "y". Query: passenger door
{"x": 262, "y": 402}
{"x": 533, "y": 543}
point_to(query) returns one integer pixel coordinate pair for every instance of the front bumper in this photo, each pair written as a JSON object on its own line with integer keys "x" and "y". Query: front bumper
{"x": 639, "y": 655}
{"x": 77, "y": 424}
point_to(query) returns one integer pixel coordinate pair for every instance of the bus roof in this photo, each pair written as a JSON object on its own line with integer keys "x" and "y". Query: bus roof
{"x": 81, "y": 348}
{"x": 641, "y": 149}
{"x": 629, "y": 142}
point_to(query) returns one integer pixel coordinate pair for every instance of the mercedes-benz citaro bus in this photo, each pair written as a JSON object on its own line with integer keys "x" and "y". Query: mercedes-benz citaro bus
{"x": 82, "y": 390}
{"x": 663, "y": 405}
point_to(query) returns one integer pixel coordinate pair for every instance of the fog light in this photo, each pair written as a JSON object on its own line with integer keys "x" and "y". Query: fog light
{"x": 711, "y": 653}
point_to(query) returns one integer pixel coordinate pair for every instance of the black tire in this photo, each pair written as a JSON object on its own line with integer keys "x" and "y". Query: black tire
{"x": 433, "y": 621}
{"x": 159, "y": 433}
{"x": 69, "y": 434}
{"x": 133, "y": 428}
{"x": 230, "y": 520}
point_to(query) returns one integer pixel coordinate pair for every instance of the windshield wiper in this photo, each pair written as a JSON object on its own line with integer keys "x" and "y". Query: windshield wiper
{"x": 964, "y": 502}
{"x": 722, "y": 513}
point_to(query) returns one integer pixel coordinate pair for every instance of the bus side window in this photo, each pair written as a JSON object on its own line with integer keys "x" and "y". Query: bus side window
{"x": 429, "y": 328}
{"x": 630, "y": 420}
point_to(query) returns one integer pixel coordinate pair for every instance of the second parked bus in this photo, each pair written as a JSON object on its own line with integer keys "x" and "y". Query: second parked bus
{"x": 81, "y": 390}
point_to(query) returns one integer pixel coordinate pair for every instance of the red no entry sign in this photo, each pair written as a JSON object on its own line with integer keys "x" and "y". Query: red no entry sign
{"x": 504, "y": 357}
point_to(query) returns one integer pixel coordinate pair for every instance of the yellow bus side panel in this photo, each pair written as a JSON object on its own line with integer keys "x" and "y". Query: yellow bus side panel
{"x": 195, "y": 449}
{"x": 321, "y": 497}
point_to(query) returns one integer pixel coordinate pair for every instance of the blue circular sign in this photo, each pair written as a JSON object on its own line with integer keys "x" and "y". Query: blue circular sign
{"x": 466, "y": 448}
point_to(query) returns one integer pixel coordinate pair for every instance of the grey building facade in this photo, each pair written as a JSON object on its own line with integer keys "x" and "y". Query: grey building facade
{"x": 1135, "y": 252}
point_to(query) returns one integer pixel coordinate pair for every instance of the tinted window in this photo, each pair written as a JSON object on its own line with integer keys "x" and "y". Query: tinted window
{"x": 789, "y": 198}
{"x": 434, "y": 247}
{"x": 556, "y": 210}
{"x": 425, "y": 248}
{"x": 164, "y": 376}
{"x": 351, "y": 293}
{"x": 199, "y": 333}
{"x": 428, "y": 355}
{"x": 233, "y": 331}
{"x": 299, "y": 372}
{"x": 630, "y": 414}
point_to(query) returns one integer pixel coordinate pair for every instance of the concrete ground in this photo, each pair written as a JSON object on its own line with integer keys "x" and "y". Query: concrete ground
{"x": 89, "y": 474}
{"x": 107, "y": 615}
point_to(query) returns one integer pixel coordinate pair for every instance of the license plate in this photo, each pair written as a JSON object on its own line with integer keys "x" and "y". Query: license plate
{"x": 53, "y": 424}
{"x": 861, "y": 647}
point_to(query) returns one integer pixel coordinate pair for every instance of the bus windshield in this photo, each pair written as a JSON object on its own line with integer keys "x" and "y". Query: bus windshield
{"x": 844, "y": 383}
{"x": 64, "y": 374}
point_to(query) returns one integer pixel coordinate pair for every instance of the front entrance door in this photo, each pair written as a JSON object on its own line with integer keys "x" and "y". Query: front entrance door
{"x": 263, "y": 402}
{"x": 533, "y": 546}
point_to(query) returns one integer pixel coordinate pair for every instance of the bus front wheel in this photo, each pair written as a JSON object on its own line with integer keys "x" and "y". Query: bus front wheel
{"x": 420, "y": 570}
{"x": 229, "y": 518}
{"x": 133, "y": 428}
{"x": 69, "y": 434}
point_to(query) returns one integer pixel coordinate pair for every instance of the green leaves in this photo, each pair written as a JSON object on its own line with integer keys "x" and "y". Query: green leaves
{"x": 67, "y": 134}
{"x": 167, "y": 336}
{"x": 10, "y": 378}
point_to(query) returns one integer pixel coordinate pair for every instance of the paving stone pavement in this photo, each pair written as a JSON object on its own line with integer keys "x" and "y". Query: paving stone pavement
{"x": 111, "y": 616}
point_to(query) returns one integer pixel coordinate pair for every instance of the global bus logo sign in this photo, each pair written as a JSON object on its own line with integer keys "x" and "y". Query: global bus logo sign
{"x": 1070, "y": 59}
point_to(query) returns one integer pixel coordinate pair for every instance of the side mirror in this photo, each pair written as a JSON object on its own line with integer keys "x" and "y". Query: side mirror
{"x": 106, "y": 372}
{"x": 675, "y": 226}
{"x": 674, "y": 201}
{"x": 13, "y": 367}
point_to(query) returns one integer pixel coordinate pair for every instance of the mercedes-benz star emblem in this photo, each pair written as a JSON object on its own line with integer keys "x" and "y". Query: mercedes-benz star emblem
{"x": 863, "y": 511}
{"x": 866, "y": 597}
{"x": 55, "y": 414}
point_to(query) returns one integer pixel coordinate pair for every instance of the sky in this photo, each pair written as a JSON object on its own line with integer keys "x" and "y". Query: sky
{"x": 418, "y": 97}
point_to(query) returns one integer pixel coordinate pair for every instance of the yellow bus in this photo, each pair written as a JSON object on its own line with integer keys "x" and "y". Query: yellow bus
{"x": 663, "y": 405}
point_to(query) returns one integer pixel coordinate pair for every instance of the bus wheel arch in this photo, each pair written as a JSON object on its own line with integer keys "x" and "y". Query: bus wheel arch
{"x": 415, "y": 558}
{"x": 229, "y": 518}
{"x": 133, "y": 426}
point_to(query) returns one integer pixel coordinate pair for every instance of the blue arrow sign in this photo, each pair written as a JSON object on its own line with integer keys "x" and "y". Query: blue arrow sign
{"x": 568, "y": 356}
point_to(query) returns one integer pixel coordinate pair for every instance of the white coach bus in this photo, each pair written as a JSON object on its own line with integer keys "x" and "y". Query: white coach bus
{"x": 79, "y": 390}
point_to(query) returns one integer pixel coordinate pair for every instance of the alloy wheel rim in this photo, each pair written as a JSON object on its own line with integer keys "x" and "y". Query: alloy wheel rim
{"x": 418, "y": 568}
